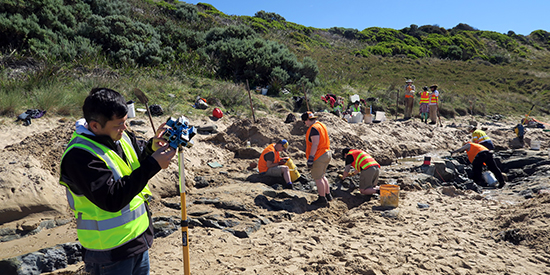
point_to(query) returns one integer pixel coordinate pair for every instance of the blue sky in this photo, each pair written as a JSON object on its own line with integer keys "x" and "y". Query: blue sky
{"x": 522, "y": 17}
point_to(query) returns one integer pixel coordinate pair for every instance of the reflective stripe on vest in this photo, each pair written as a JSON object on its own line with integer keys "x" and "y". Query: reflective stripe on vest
{"x": 479, "y": 136}
{"x": 262, "y": 164}
{"x": 362, "y": 160}
{"x": 102, "y": 230}
{"x": 358, "y": 109}
{"x": 324, "y": 142}
{"x": 425, "y": 97}
{"x": 434, "y": 98}
{"x": 474, "y": 150}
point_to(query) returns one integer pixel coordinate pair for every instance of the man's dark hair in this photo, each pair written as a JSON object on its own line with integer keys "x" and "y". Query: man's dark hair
{"x": 103, "y": 104}
{"x": 345, "y": 151}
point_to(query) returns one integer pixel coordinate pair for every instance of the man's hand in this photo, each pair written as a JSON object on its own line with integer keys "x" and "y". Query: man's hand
{"x": 310, "y": 161}
{"x": 158, "y": 140}
{"x": 164, "y": 155}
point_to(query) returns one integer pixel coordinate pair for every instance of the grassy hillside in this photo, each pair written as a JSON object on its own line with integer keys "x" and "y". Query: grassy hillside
{"x": 53, "y": 52}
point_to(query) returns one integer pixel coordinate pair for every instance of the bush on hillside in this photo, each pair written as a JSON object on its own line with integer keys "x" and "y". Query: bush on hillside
{"x": 269, "y": 16}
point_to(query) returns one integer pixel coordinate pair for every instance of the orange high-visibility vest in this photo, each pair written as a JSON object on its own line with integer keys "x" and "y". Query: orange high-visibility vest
{"x": 262, "y": 164}
{"x": 324, "y": 142}
{"x": 362, "y": 160}
{"x": 434, "y": 98}
{"x": 425, "y": 97}
{"x": 474, "y": 150}
{"x": 408, "y": 90}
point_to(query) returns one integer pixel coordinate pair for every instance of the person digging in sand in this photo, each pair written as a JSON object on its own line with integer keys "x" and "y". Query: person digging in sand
{"x": 478, "y": 156}
{"x": 364, "y": 164}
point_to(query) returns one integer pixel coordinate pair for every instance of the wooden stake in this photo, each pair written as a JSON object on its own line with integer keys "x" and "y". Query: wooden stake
{"x": 251, "y": 106}
{"x": 305, "y": 96}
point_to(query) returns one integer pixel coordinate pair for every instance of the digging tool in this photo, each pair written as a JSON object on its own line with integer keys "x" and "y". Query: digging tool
{"x": 523, "y": 121}
{"x": 184, "y": 221}
{"x": 250, "y": 98}
{"x": 439, "y": 117}
{"x": 305, "y": 96}
{"x": 397, "y": 104}
{"x": 143, "y": 99}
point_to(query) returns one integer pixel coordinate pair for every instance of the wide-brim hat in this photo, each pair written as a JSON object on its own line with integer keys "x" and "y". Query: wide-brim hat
{"x": 308, "y": 115}
{"x": 433, "y": 86}
{"x": 409, "y": 81}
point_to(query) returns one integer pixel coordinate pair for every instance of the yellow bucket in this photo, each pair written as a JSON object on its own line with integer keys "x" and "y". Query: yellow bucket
{"x": 294, "y": 174}
{"x": 389, "y": 195}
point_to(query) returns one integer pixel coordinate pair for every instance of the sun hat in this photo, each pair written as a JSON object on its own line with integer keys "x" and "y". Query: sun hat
{"x": 308, "y": 115}
{"x": 434, "y": 86}
{"x": 409, "y": 81}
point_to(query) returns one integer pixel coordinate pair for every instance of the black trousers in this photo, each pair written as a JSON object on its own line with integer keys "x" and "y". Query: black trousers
{"x": 477, "y": 167}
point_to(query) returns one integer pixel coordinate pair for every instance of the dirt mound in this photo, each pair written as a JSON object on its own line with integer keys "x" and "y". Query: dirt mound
{"x": 46, "y": 147}
{"x": 526, "y": 223}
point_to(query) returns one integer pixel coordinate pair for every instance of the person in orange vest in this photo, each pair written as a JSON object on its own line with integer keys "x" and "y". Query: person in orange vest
{"x": 271, "y": 164}
{"x": 424, "y": 107}
{"x": 319, "y": 156}
{"x": 364, "y": 164}
{"x": 409, "y": 98}
{"x": 479, "y": 155}
{"x": 434, "y": 104}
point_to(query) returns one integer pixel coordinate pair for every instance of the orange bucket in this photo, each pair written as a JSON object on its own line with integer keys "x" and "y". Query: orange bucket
{"x": 389, "y": 195}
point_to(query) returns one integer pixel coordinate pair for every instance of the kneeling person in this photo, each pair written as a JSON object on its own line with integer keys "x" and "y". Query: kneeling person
{"x": 271, "y": 164}
{"x": 366, "y": 165}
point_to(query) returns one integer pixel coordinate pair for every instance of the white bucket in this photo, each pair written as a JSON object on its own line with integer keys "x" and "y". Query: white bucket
{"x": 489, "y": 178}
{"x": 535, "y": 145}
{"x": 380, "y": 116}
{"x": 368, "y": 118}
{"x": 354, "y": 98}
{"x": 131, "y": 110}
{"x": 264, "y": 91}
{"x": 356, "y": 117}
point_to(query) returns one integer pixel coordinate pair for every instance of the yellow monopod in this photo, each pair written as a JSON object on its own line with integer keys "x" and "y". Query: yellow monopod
{"x": 184, "y": 222}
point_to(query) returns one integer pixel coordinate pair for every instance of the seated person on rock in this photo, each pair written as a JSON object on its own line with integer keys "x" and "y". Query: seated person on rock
{"x": 480, "y": 137}
{"x": 271, "y": 164}
{"x": 364, "y": 164}
{"x": 479, "y": 155}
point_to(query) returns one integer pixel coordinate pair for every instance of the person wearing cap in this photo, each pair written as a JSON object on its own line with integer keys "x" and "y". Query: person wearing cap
{"x": 318, "y": 156}
{"x": 271, "y": 163}
{"x": 424, "y": 104}
{"x": 356, "y": 108}
{"x": 480, "y": 137}
{"x": 434, "y": 104}
{"x": 409, "y": 98}
{"x": 364, "y": 164}
{"x": 479, "y": 155}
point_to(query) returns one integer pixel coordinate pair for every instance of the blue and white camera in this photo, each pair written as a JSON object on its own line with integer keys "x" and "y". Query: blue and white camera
{"x": 179, "y": 133}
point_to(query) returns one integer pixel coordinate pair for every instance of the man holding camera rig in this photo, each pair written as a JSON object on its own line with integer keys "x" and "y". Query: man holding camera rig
{"x": 106, "y": 170}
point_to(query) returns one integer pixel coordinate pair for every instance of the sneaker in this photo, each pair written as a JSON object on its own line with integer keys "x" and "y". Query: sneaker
{"x": 432, "y": 123}
{"x": 500, "y": 185}
{"x": 321, "y": 201}
{"x": 329, "y": 197}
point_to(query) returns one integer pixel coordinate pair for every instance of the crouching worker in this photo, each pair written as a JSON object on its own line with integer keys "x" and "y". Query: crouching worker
{"x": 480, "y": 137}
{"x": 271, "y": 163}
{"x": 105, "y": 170}
{"x": 366, "y": 165}
{"x": 479, "y": 155}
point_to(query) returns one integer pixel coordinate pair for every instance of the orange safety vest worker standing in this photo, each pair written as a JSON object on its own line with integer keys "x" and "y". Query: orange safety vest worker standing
{"x": 424, "y": 101}
{"x": 409, "y": 98}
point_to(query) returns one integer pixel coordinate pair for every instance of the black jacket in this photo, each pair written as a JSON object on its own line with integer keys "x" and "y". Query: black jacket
{"x": 87, "y": 175}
